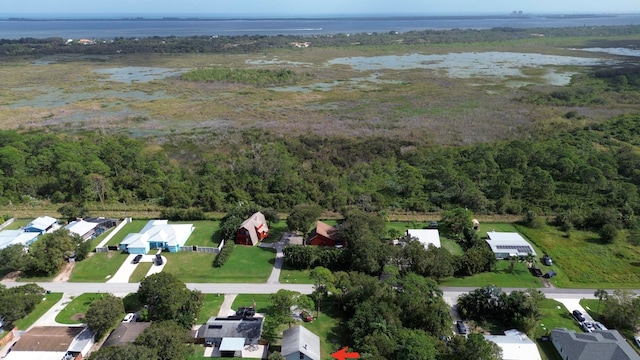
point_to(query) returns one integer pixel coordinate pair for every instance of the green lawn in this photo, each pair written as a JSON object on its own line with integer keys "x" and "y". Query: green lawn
{"x": 140, "y": 272}
{"x": 18, "y": 224}
{"x": 246, "y": 264}
{"x": 583, "y": 262}
{"x": 75, "y": 310}
{"x": 98, "y": 267}
{"x": 292, "y": 276}
{"x": 554, "y": 315}
{"x": 263, "y": 302}
{"x": 40, "y": 309}
{"x": 501, "y": 276}
{"x": 204, "y": 232}
{"x": 210, "y": 307}
{"x": 132, "y": 227}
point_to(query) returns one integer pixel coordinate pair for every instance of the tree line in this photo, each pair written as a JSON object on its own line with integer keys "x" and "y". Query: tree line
{"x": 589, "y": 176}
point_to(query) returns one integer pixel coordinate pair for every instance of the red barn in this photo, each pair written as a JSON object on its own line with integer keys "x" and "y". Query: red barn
{"x": 253, "y": 230}
{"x": 325, "y": 235}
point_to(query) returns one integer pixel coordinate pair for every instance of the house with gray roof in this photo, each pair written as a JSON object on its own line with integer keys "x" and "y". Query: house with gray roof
{"x": 596, "y": 345}
{"x": 231, "y": 334}
{"x": 299, "y": 343}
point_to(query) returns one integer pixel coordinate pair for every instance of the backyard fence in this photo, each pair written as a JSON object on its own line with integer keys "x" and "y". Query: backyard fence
{"x": 7, "y": 223}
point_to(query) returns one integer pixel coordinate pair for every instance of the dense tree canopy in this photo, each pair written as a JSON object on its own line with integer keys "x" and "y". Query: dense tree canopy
{"x": 167, "y": 338}
{"x": 104, "y": 313}
{"x": 17, "y": 302}
{"x": 169, "y": 299}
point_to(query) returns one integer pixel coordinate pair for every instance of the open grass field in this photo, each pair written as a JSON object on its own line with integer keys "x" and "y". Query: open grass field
{"x": 582, "y": 261}
{"x": 98, "y": 268}
{"x": 276, "y": 230}
{"x": 246, "y": 264}
{"x": 74, "y": 312}
{"x": 40, "y": 309}
{"x": 263, "y": 302}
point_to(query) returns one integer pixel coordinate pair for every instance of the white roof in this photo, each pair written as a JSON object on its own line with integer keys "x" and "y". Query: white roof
{"x": 161, "y": 231}
{"x": 509, "y": 242}
{"x": 35, "y": 355}
{"x": 299, "y": 339}
{"x": 42, "y": 223}
{"x": 12, "y": 237}
{"x": 80, "y": 227}
{"x": 232, "y": 344}
{"x": 426, "y": 236}
{"x": 515, "y": 345}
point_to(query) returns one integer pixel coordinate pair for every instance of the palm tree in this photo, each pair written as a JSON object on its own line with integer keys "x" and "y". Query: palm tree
{"x": 600, "y": 294}
{"x": 513, "y": 259}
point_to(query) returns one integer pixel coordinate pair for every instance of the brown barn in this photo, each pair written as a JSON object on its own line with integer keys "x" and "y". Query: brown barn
{"x": 325, "y": 235}
{"x": 253, "y": 230}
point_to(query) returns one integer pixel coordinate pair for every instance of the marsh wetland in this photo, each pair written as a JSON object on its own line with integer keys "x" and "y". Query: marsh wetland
{"x": 447, "y": 94}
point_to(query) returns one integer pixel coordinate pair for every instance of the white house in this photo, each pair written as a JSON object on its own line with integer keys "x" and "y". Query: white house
{"x": 157, "y": 234}
{"x": 42, "y": 225}
{"x": 12, "y": 237}
{"x": 425, "y": 236}
{"x": 507, "y": 244}
{"x": 515, "y": 345}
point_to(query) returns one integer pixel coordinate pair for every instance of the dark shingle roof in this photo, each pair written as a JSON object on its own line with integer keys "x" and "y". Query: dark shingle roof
{"x": 597, "y": 345}
{"x": 232, "y": 327}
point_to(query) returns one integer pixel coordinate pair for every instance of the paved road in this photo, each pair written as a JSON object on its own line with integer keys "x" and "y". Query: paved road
{"x": 262, "y": 288}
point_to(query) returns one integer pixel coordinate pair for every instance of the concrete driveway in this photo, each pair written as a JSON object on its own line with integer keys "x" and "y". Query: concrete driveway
{"x": 574, "y": 304}
{"x": 126, "y": 269}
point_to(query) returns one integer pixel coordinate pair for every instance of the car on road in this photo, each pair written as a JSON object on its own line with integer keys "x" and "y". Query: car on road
{"x": 137, "y": 259}
{"x": 587, "y": 327}
{"x": 129, "y": 318}
{"x": 462, "y": 329}
{"x": 578, "y": 315}
{"x": 159, "y": 260}
{"x": 547, "y": 260}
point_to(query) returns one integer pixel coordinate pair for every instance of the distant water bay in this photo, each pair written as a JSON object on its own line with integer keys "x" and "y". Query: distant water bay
{"x": 112, "y": 28}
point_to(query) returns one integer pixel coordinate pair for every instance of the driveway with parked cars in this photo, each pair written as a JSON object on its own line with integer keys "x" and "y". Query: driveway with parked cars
{"x": 129, "y": 265}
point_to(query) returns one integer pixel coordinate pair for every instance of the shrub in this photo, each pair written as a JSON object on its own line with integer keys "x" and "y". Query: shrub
{"x": 224, "y": 254}
{"x": 608, "y": 233}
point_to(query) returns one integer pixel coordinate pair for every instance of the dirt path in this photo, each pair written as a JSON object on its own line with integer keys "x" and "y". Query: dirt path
{"x": 65, "y": 273}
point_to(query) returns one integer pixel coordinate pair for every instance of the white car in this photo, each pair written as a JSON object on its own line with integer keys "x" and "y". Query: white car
{"x": 587, "y": 326}
{"x": 129, "y": 318}
{"x": 637, "y": 339}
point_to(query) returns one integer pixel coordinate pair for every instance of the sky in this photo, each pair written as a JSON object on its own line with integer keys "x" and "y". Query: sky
{"x": 257, "y": 8}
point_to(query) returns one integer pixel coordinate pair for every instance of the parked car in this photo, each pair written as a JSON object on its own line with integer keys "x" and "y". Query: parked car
{"x": 547, "y": 260}
{"x": 587, "y": 326}
{"x": 599, "y": 326}
{"x": 549, "y": 274}
{"x": 461, "y": 328}
{"x": 637, "y": 339}
{"x": 246, "y": 311}
{"x": 129, "y": 318}
{"x": 535, "y": 271}
{"x": 432, "y": 225}
{"x": 578, "y": 315}
{"x": 159, "y": 260}
{"x": 137, "y": 259}
{"x": 306, "y": 317}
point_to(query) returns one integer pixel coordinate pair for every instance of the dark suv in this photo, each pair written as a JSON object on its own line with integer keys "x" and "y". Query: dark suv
{"x": 158, "y": 259}
{"x": 578, "y": 315}
{"x": 137, "y": 259}
{"x": 461, "y": 328}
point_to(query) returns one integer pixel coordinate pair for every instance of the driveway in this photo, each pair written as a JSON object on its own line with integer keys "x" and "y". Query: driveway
{"x": 574, "y": 304}
{"x": 126, "y": 269}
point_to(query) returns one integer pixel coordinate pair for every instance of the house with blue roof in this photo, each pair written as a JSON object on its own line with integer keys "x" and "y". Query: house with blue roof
{"x": 157, "y": 234}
